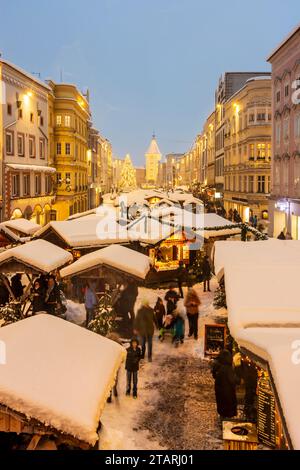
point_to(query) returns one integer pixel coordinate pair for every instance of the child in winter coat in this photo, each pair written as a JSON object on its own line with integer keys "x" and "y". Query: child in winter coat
{"x": 179, "y": 319}
{"x": 134, "y": 355}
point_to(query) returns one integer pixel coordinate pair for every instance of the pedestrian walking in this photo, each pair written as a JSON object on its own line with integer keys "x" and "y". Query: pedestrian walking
{"x": 171, "y": 298}
{"x": 191, "y": 304}
{"x": 159, "y": 314}
{"x": 206, "y": 273}
{"x": 225, "y": 385}
{"x": 133, "y": 358}
{"x": 144, "y": 327}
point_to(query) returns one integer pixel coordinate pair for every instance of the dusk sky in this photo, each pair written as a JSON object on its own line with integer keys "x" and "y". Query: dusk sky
{"x": 149, "y": 64}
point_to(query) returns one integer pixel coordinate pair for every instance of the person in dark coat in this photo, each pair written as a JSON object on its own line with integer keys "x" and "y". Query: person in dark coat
{"x": 144, "y": 326}
{"x": 191, "y": 304}
{"x": 4, "y": 294}
{"x": 171, "y": 298}
{"x": 225, "y": 384}
{"x": 52, "y": 297}
{"x": 16, "y": 285}
{"x": 132, "y": 364}
{"x": 159, "y": 314}
{"x": 206, "y": 273}
{"x": 38, "y": 298}
{"x": 130, "y": 294}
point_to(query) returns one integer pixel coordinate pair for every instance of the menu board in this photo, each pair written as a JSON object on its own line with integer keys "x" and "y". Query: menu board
{"x": 214, "y": 339}
{"x": 266, "y": 418}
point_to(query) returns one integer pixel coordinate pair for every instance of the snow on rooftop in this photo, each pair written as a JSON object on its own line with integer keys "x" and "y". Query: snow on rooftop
{"x": 265, "y": 251}
{"x": 58, "y": 373}
{"x": 76, "y": 233}
{"x": 212, "y": 226}
{"x": 39, "y": 254}
{"x": 24, "y": 226}
{"x": 119, "y": 257}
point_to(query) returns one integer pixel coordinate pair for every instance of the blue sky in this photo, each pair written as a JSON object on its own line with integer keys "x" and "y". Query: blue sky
{"x": 149, "y": 64}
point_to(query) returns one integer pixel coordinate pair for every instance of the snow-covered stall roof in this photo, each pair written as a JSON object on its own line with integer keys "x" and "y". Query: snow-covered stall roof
{"x": 262, "y": 282}
{"x": 22, "y": 226}
{"x": 119, "y": 257}
{"x": 256, "y": 252}
{"x": 79, "y": 233}
{"x": 262, "y": 294}
{"x": 217, "y": 226}
{"x": 37, "y": 255}
{"x": 58, "y": 373}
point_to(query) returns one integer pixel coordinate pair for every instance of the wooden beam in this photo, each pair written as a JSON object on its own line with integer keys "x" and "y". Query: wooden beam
{"x": 34, "y": 442}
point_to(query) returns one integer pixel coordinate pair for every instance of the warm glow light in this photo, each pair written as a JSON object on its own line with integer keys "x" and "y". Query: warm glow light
{"x": 26, "y": 99}
{"x": 246, "y": 214}
{"x": 89, "y": 155}
{"x": 29, "y": 93}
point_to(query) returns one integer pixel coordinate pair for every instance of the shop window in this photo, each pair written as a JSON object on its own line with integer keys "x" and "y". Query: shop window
{"x": 26, "y": 185}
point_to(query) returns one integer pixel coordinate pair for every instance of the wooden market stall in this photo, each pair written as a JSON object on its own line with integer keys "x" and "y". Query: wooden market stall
{"x": 114, "y": 265}
{"x": 261, "y": 280}
{"x": 49, "y": 389}
{"x": 32, "y": 259}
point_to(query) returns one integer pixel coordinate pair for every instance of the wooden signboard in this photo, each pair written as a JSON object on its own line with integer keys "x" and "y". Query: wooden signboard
{"x": 214, "y": 339}
{"x": 266, "y": 413}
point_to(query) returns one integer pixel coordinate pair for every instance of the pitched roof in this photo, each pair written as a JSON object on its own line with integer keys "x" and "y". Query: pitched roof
{"x": 153, "y": 148}
{"x": 284, "y": 41}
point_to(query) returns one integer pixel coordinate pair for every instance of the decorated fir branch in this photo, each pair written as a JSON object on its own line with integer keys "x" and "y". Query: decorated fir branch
{"x": 104, "y": 321}
{"x": 11, "y": 312}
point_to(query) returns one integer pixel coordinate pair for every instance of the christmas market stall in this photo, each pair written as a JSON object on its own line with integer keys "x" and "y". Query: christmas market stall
{"x": 55, "y": 383}
{"x": 114, "y": 265}
{"x": 261, "y": 281}
{"x": 33, "y": 259}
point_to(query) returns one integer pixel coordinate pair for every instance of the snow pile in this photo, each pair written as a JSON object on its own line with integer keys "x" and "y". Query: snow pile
{"x": 58, "y": 373}
{"x": 38, "y": 254}
{"x": 22, "y": 226}
{"x": 118, "y": 257}
{"x": 75, "y": 313}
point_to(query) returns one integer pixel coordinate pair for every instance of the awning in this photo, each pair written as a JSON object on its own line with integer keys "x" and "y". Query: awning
{"x": 21, "y": 167}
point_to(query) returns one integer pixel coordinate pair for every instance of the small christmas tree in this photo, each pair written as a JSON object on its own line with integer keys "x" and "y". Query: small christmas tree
{"x": 220, "y": 298}
{"x": 104, "y": 321}
{"x": 11, "y": 312}
{"x": 197, "y": 267}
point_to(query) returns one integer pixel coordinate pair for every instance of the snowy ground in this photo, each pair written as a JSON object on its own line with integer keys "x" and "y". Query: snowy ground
{"x": 175, "y": 408}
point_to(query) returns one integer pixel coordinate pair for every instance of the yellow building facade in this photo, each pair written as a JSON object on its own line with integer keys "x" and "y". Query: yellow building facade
{"x": 69, "y": 119}
{"x": 247, "y": 144}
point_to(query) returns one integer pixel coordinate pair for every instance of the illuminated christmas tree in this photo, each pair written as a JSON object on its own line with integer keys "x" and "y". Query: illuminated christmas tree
{"x": 128, "y": 175}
